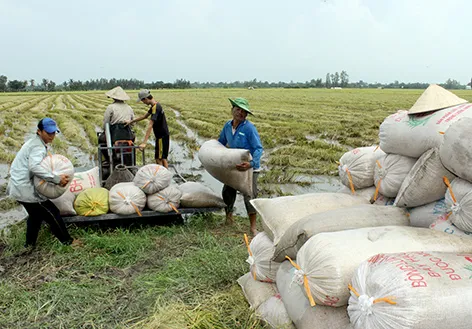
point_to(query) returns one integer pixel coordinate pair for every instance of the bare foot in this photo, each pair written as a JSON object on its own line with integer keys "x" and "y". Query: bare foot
{"x": 254, "y": 231}
{"x": 229, "y": 219}
{"x": 76, "y": 243}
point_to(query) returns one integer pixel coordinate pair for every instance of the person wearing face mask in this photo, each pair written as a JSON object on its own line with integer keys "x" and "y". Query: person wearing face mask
{"x": 25, "y": 166}
{"x": 240, "y": 133}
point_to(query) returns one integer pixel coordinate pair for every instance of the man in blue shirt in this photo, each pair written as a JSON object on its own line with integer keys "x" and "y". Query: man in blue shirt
{"x": 241, "y": 134}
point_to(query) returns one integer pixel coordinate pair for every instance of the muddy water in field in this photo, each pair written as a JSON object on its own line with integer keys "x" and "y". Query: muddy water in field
{"x": 189, "y": 166}
{"x": 185, "y": 163}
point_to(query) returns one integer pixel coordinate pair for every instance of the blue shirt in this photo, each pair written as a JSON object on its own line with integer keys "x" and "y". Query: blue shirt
{"x": 245, "y": 137}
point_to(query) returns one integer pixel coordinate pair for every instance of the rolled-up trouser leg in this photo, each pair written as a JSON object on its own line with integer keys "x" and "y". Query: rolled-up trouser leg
{"x": 249, "y": 208}
{"x": 229, "y": 197}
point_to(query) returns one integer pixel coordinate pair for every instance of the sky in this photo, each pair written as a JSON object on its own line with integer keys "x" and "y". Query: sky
{"x": 221, "y": 40}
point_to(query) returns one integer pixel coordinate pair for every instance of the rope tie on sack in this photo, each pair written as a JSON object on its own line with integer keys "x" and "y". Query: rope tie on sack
{"x": 154, "y": 175}
{"x": 130, "y": 202}
{"x": 94, "y": 205}
{"x": 455, "y": 206}
{"x": 300, "y": 277}
{"x": 377, "y": 188}
{"x": 250, "y": 259}
{"x": 349, "y": 177}
{"x": 366, "y": 302}
{"x": 168, "y": 202}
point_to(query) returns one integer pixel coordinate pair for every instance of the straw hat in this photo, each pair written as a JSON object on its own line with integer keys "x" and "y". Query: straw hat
{"x": 117, "y": 93}
{"x": 435, "y": 98}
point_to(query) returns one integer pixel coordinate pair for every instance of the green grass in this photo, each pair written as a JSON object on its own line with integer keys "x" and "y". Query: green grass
{"x": 151, "y": 277}
{"x": 179, "y": 276}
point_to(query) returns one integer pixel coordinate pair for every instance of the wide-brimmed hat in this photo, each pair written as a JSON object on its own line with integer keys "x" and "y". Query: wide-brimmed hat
{"x": 242, "y": 103}
{"x": 117, "y": 93}
{"x": 435, "y": 98}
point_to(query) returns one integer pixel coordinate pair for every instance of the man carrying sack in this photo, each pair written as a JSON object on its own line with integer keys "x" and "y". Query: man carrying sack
{"x": 239, "y": 133}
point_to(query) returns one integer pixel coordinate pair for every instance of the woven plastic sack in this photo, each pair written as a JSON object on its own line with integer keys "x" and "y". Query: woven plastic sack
{"x": 424, "y": 216}
{"x": 413, "y": 135}
{"x": 166, "y": 200}
{"x": 336, "y": 220}
{"x": 256, "y": 292}
{"x": 328, "y": 260}
{"x": 127, "y": 199}
{"x": 220, "y": 162}
{"x": 278, "y": 214}
{"x": 84, "y": 180}
{"x": 456, "y": 149}
{"x": 152, "y": 178}
{"x": 414, "y": 290}
{"x": 303, "y": 315}
{"x": 442, "y": 224}
{"x": 368, "y": 193}
{"x": 390, "y": 172}
{"x": 357, "y": 167}
{"x": 261, "y": 251}
{"x": 92, "y": 202}
{"x": 65, "y": 203}
{"x": 58, "y": 165}
{"x": 274, "y": 313}
{"x": 459, "y": 204}
{"x": 197, "y": 195}
{"x": 424, "y": 183}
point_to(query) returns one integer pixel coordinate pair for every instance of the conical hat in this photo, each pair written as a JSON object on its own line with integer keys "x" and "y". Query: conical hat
{"x": 435, "y": 98}
{"x": 117, "y": 93}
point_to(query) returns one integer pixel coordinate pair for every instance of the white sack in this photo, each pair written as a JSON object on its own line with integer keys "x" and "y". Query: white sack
{"x": 126, "y": 199}
{"x": 360, "y": 164}
{"x": 424, "y": 216}
{"x": 166, "y": 200}
{"x": 390, "y": 172}
{"x": 65, "y": 203}
{"x": 84, "y": 180}
{"x": 278, "y": 214}
{"x": 261, "y": 265}
{"x": 58, "y": 165}
{"x": 197, "y": 195}
{"x": 368, "y": 194}
{"x": 444, "y": 225}
{"x": 329, "y": 259}
{"x": 456, "y": 149}
{"x": 336, "y": 220}
{"x": 152, "y": 178}
{"x": 298, "y": 308}
{"x": 431, "y": 290}
{"x": 413, "y": 135}
{"x": 220, "y": 162}
{"x": 273, "y": 312}
{"x": 256, "y": 292}
{"x": 461, "y": 209}
{"x": 424, "y": 183}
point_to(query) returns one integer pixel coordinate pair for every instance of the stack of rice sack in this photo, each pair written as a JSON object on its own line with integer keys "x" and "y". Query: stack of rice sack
{"x": 154, "y": 180}
{"x": 291, "y": 221}
{"x": 316, "y": 242}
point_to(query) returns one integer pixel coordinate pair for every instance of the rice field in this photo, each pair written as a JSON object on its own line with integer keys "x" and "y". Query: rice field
{"x": 177, "y": 276}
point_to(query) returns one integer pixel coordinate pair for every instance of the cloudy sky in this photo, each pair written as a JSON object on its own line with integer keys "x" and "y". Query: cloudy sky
{"x": 219, "y": 40}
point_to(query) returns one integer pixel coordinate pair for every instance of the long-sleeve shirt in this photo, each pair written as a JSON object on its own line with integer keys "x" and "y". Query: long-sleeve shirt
{"x": 26, "y": 165}
{"x": 245, "y": 137}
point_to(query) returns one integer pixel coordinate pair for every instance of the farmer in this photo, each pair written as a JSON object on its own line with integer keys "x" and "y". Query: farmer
{"x": 116, "y": 115}
{"x": 27, "y": 164}
{"x": 158, "y": 124}
{"x": 242, "y": 134}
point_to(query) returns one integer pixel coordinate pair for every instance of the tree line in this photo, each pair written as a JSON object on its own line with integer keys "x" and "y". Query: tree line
{"x": 332, "y": 80}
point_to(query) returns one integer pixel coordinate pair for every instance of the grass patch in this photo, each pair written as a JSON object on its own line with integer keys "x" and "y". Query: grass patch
{"x": 149, "y": 277}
